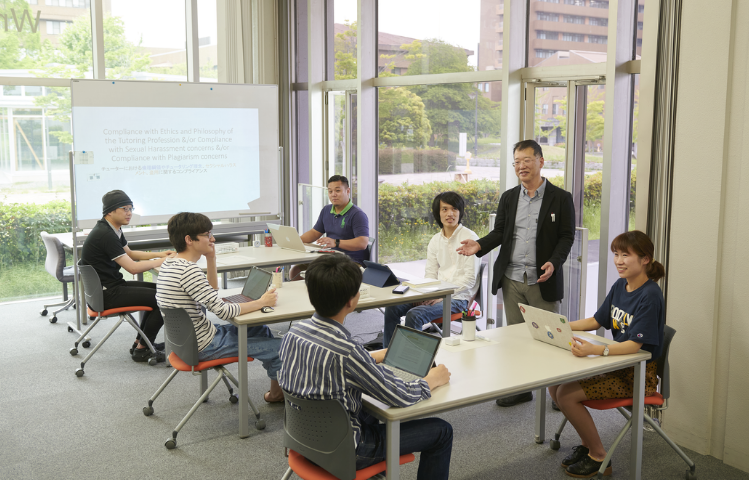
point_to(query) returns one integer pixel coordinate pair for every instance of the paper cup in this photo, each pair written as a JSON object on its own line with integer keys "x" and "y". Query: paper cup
{"x": 469, "y": 330}
{"x": 277, "y": 280}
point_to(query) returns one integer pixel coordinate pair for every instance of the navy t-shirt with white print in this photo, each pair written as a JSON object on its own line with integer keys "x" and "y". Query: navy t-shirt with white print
{"x": 636, "y": 316}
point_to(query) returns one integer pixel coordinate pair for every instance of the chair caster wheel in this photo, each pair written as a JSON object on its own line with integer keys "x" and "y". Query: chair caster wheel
{"x": 148, "y": 411}
{"x": 690, "y": 475}
{"x": 260, "y": 425}
{"x": 86, "y": 344}
{"x": 53, "y": 320}
{"x": 74, "y": 307}
{"x": 70, "y": 329}
{"x": 171, "y": 444}
{"x": 152, "y": 361}
{"x": 79, "y": 372}
{"x": 43, "y": 312}
{"x": 554, "y": 444}
{"x": 91, "y": 318}
{"x": 74, "y": 351}
{"x": 233, "y": 399}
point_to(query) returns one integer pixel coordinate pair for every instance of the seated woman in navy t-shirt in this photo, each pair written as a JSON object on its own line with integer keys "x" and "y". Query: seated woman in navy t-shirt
{"x": 634, "y": 312}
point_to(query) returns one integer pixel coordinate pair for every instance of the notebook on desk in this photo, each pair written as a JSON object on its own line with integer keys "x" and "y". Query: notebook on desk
{"x": 255, "y": 286}
{"x": 288, "y": 238}
{"x": 411, "y": 353}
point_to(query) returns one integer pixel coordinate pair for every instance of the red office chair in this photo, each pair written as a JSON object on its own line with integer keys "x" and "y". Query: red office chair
{"x": 95, "y": 305}
{"x": 320, "y": 430}
{"x": 182, "y": 342}
{"x": 660, "y": 400}
{"x": 457, "y": 316}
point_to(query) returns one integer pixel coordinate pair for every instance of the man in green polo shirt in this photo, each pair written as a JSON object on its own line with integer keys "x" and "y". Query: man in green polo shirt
{"x": 345, "y": 225}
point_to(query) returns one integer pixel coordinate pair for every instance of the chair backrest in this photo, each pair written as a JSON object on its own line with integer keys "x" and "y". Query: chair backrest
{"x": 368, "y": 250}
{"x": 180, "y": 334}
{"x": 92, "y": 287}
{"x": 663, "y": 370}
{"x": 320, "y": 430}
{"x": 55, "y": 261}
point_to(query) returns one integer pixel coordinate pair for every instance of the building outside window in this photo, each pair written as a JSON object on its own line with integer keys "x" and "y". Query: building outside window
{"x": 597, "y": 39}
{"x": 55, "y": 28}
{"x": 573, "y": 37}
{"x": 599, "y": 22}
{"x": 545, "y": 35}
{"x": 547, "y": 17}
{"x": 574, "y": 19}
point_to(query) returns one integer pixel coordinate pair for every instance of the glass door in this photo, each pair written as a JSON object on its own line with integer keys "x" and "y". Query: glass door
{"x": 567, "y": 119}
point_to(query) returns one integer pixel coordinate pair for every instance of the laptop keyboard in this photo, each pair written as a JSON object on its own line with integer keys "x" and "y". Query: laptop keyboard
{"x": 404, "y": 375}
{"x": 239, "y": 298}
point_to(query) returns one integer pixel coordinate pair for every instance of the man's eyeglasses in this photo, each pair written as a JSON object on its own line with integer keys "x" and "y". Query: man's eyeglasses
{"x": 209, "y": 234}
{"x": 524, "y": 162}
{"x": 128, "y": 209}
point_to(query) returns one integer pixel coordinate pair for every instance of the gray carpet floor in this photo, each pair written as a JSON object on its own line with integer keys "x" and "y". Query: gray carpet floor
{"x": 55, "y": 425}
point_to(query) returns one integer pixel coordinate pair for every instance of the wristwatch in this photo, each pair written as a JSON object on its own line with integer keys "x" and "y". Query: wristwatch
{"x": 337, "y": 242}
{"x": 606, "y": 351}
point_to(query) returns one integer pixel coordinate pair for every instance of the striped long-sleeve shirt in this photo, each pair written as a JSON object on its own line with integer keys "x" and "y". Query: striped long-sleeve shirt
{"x": 181, "y": 284}
{"x": 321, "y": 362}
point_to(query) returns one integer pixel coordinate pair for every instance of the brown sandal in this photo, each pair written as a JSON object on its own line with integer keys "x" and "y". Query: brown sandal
{"x": 265, "y": 397}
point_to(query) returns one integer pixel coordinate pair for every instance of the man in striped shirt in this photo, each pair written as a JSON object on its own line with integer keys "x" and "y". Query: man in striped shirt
{"x": 320, "y": 361}
{"x": 182, "y": 284}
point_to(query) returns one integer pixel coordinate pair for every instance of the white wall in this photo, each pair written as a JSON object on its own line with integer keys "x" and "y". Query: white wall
{"x": 708, "y": 281}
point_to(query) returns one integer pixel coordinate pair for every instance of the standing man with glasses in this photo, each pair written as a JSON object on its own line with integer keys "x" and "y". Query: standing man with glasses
{"x": 107, "y": 251}
{"x": 535, "y": 227}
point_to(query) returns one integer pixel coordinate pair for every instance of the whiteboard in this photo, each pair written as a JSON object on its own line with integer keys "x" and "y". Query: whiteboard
{"x": 175, "y": 147}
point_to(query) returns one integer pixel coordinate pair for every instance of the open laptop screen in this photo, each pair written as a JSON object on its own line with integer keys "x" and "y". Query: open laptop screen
{"x": 412, "y": 351}
{"x": 256, "y": 284}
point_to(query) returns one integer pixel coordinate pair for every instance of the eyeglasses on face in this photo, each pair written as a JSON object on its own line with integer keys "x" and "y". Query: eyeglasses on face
{"x": 209, "y": 234}
{"x": 128, "y": 209}
{"x": 525, "y": 162}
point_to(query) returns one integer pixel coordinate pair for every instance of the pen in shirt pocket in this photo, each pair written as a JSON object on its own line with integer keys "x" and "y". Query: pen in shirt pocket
{"x": 553, "y": 218}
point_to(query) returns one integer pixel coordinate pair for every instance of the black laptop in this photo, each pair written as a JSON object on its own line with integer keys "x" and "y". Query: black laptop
{"x": 255, "y": 286}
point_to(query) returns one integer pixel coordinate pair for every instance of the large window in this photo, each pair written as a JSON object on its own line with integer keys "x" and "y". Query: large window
{"x": 574, "y": 25}
{"x": 418, "y": 37}
{"x": 342, "y": 38}
{"x": 208, "y": 40}
{"x": 146, "y": 46}
{"x": 57, "y": 45}
{"x": 434, "y": 138}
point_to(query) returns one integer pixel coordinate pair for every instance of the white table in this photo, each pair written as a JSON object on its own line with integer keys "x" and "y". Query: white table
{"x": 534, "y": 366}
{"x": 294, "y": 304}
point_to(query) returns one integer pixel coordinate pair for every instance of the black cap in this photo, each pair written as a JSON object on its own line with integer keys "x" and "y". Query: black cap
{"x": 113, "y": 200}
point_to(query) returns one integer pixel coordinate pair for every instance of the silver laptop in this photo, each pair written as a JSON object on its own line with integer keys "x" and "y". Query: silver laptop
{"x": 255, "y": 286}
{"x": 411, "y": 353}
{"x": 288, "y": 238}
{"x": 549, "y": 327}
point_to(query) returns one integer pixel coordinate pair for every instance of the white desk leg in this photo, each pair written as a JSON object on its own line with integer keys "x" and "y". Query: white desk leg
{"x": 392, "y": 452}
{"x": 446, "y": 314}
{"x": 540, "y": 415}
{"x": 244, "y": 428}
{"x": 638, "y": 407}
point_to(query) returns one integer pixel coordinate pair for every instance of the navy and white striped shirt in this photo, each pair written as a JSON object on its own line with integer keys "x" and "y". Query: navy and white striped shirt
{"x": 320, "y": 361}
{"x": 181, "y": 284}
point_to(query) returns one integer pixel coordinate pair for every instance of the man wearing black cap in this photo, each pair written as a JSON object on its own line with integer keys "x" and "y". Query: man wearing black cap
{"x": 106, "y": 250}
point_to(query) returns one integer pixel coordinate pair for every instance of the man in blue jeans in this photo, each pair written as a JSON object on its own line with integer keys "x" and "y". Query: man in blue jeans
{"x": 320, "y": 361}
{"x": 443, "y": 263}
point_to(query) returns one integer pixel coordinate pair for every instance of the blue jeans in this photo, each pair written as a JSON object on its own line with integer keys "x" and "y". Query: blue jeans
{"x": 416, "y": 317}
{"x": 433, "y": 437}
{"x": 260, "y": 345}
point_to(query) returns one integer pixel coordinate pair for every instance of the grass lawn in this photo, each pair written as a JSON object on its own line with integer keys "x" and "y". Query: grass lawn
{"x": 30, "y": 280}
{"x": 558, "y": 154}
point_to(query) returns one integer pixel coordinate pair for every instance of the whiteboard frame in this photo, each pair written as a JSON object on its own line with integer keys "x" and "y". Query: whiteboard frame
{"x": 267, "y": 111}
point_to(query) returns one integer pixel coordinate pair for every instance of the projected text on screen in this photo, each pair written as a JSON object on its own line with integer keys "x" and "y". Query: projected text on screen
{"x": 210, "y": 156}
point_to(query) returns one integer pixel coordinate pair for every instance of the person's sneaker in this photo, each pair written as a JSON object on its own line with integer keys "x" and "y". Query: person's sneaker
{"x": 513, "y": 400}
{"x": 143, "y": 354}
{"x": 577, "y": 454}
{"x": 587, "y": 468}
{"x": 554, "y": 406}
{"x": 135, "y": 345}
{"x": 159, "y": 346}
